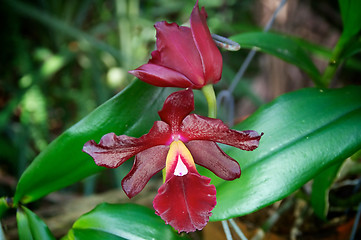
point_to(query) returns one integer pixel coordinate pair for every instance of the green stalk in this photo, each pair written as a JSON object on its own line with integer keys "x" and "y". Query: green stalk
{"x": 334, "y": 62}
{"x": 124, "y": 31}
{"x": 208, "y": 92}
{"x": 163, "y": 174}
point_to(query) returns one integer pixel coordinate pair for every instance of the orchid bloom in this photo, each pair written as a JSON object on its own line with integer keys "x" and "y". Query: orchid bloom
{"x": 177, "y": 142}
{"x": 185, "y": 57}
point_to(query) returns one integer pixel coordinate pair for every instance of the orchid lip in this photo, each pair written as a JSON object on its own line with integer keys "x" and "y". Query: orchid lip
{"x": 180, "y": 169}
{"x": 179, "y": 160}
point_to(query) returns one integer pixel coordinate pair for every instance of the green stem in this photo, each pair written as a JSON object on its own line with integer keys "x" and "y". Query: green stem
{"x": 208, "y": 92}
{"x": 334, "y": 62}
{"x": 163, "y": 174}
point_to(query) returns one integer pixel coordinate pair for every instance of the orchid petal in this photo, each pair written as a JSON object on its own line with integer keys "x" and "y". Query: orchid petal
{"x": 208, "y": 51}
{"x": 161, "y": 76}
{"x": 186, "y": 199}
{"x": 177, "y": 51}
{"x": 113, "y": 150}
{"x": 209, "y": 155}
{"x": 195, "y": 127}
{"x": 176, "y": 107}
{"x": 146, "y": 164}
{"x": 186, "y": 202}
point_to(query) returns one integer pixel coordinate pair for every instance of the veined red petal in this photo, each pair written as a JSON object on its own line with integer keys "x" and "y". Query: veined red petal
{"x": 208, "y": 51}
{"x": 177, "y": 51}
{"x": 176, "y": 107}
{"x": 195, "y": 127}
{"x": 185, "y": 202}
{"x": 186, "y": 199}
{"x": 209, "y": 155}
{"x": 112, "y": 150}
{"x": 161, "y": 76}
{"x": 146, "y": 164}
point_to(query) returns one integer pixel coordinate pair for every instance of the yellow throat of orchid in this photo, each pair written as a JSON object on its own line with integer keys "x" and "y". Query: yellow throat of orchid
{"x": 179, "y": 160}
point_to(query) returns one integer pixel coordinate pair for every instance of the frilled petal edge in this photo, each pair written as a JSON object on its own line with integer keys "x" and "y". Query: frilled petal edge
{"x": 113, "y": 150}
{"x": 185, "y": 202}
{"x": 195, "y": 127}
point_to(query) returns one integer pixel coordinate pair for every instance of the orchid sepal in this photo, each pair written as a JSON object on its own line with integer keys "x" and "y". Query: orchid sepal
{"x": 185, "y": 56}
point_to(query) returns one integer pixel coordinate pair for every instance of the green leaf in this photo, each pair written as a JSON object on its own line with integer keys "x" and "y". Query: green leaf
{"x": 356, "y": 156}
{"x": 3, "y": 206}
{"x": 351, "y": 17}
{"x": 30, "y": 226}
{"x": 324, "y": 53}
{"x": 282, "y": 47}
{"x": 305, "y": 132}
{"x": 352, "y": 48}
{"x": 131, "y": 112}
{"x": 121, "y": 221}
{"x": 320, "y": 189}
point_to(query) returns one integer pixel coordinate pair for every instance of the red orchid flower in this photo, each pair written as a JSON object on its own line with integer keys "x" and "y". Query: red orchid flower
{"x": 177, "y": 142}
{"x": 185, "y": 57}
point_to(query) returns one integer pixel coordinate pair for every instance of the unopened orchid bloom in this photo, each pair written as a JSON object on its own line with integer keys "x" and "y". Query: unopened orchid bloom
{"x": 177, "y": 143}
{"x": 185, "y": 57}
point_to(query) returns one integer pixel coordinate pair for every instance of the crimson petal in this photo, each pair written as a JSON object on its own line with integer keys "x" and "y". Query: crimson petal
{"x": 161, "y": 76}
{"x": 177, "y": 51}
{"x": 208, "y": 51}
{"x": 209, "y": 155}
{"x": 195, "y": 127}
{"x": 176, "y": 107}
{"x": 146, "y": 164}
{"x": 186, "y": 202}
{"x": 113, "y": 150}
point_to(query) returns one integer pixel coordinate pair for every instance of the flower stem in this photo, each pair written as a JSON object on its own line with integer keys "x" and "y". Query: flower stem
{"x": 208, "y": 92}
{"x": 163, "y": 174}
{"x": 334, "y": 62}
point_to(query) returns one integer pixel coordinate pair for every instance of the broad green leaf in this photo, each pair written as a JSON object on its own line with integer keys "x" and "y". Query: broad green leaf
{"x": 30, "y": 226}
{"x": 320, "y": 189}
{"x": 351, "y": 17}
{"x": 305, "y": 132}
{"x": 280, "y": 46}
{"x": 121, "y": 221}
{"x": 131, "y": 112}
{"x": 356, "y": 156}
{"x": 90, "y": 234}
